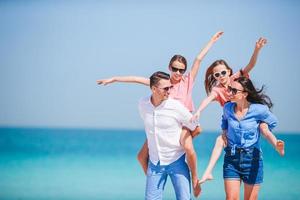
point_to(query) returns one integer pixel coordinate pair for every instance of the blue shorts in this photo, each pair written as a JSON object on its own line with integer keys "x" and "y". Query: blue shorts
{"x": 244, "y": 164}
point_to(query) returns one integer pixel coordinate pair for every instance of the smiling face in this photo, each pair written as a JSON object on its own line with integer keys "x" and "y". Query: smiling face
{"x": 161, "y": 90}
{"x": 177, "y": 69}
{"x": 221, "y": 74}
{"x": 237, "y": 92}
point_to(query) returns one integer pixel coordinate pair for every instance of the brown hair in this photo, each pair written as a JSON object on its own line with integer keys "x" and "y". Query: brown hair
{"x": 210, "y": 80}
{"x": 178, "y": 58}
{"x": 254, "y": 95}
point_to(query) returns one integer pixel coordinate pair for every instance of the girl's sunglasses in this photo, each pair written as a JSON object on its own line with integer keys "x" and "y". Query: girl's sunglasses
{"x": 218, "y": 74}
{"x": 234, "y": 91}
{"x": 174, "y": 69}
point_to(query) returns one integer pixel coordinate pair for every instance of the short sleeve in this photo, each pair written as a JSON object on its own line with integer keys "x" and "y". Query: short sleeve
{"x": 269, "y": 118}
{"x": 215, "y": 92}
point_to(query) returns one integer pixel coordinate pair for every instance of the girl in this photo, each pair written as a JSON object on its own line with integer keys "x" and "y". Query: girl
{"x": 217, "y": 79}
{"x": 240, "y": 121}
{"x": 182, "y": 91}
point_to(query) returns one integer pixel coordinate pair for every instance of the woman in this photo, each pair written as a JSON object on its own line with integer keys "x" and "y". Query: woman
{"x": 240, "y": 123}
{"x": 217, "y": 79}
{"x": 182, "y": 91}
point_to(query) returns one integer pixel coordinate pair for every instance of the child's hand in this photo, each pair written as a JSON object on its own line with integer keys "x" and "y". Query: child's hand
{"x": 195, "y": 117}
{"x": 217, "y": 36}
{"x": 105, "y": 81}
{"x": 260, "y": 43}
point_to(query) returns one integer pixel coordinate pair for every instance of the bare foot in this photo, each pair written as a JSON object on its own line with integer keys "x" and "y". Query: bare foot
{"x": 280, "y": 147}
{"x": 196, "y": 188}
{"x": 206, "y": 177}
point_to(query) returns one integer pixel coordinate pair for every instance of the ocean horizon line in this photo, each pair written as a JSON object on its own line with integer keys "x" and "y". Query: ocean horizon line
{"x": 118, "y": 129}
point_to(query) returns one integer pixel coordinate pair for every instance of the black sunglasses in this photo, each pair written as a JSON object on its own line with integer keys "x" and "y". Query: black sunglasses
{"x": 234, "y": 91}
{"x": 218, "y": 74}
{"x": 166, "y": 89}
{"x": 174, "y": 69}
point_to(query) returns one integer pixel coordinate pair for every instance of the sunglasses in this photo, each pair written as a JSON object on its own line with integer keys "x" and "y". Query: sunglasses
{"x": 174, "y": 69}
{"x": 234, "y": 91}
{"x": 166, "y": 89}
{"x": 218, "y": 74}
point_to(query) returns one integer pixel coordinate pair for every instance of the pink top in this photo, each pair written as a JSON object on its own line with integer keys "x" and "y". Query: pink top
{"x": 222, "y": 96}
{"x": 182, "y": 91}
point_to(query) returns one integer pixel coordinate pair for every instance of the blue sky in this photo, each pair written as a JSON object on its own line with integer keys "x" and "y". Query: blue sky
{"x": 52, "y": 53}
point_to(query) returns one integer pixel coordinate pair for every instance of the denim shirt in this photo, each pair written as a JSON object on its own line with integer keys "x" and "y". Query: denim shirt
{"x": 245, "y": 133}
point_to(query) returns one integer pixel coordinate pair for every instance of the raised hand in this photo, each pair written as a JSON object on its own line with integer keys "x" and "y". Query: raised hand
{"x": 217, "y": 36}
{"x": 260, "y": 43}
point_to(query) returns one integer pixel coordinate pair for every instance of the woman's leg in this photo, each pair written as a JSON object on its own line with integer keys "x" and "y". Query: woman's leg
{"x": 143, "y": 157}
{"x": 219, "y": 145}
{"x": 277, "y": 144}
{"x": 251, "y": 191}
{"x": 232, "y": 189}
{"x": 186, "y": 141}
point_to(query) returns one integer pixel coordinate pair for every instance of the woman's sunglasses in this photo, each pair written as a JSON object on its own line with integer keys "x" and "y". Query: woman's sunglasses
{"x": 234, "y": 91}
{"x": 218, "y": 74}
{"x": 174, "y": 69}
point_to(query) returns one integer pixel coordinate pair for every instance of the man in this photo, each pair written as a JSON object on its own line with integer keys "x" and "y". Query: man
{"x": 163, "y": 119}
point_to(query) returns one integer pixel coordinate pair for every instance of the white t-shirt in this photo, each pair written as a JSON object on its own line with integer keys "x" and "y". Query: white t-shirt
{"x": 163, "y": 126}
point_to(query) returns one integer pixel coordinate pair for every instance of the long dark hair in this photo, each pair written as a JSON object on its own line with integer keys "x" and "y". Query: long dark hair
{"x": 210, "y": 80}
{"x": 254, "y": 95}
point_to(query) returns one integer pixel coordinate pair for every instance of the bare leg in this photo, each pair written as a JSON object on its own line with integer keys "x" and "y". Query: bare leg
{"x": 143, "y": 157}
{"x": 232, "y": 189}
{"x": 186, "y": 141}
{"x": 219, "y": 145}
{"x": 277, "y": 144}
{"x": 251, "y": 191}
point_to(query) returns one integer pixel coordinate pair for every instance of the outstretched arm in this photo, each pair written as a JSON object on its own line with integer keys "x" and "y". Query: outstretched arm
{"x": 203, "y": 105}
{"x": 277, "y": 144}
{"x": 259, "y": 44}
{"x": 200, "y": 56}
{"x": 126, "y": 79}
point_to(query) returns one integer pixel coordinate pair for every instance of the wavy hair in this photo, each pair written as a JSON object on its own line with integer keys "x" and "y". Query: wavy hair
{"x": 254, "y": 95}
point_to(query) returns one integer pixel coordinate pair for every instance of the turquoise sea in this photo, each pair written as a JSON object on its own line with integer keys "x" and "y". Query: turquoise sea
{"x": 75, "y": 164}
